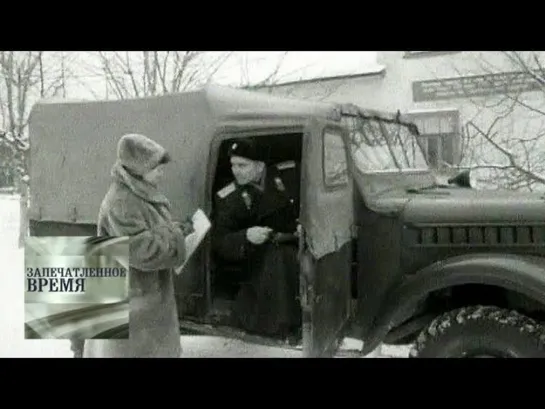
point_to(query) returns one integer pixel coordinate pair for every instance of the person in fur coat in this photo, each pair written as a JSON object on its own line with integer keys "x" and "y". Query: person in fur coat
{"x": 134, "y": 207}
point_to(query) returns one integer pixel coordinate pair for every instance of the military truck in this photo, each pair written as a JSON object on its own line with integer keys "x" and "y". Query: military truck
{"x": 389, "y": 251}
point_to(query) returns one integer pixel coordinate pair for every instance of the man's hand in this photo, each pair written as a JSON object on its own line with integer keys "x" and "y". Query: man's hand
{"x": 258, "y": 234}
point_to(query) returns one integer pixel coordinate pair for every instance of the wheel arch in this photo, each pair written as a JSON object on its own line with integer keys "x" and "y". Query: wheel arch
{"x": 523, "y": 275}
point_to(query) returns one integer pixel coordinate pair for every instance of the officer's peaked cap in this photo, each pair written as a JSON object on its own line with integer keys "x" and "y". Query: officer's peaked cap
{"x": 245, "y": 148}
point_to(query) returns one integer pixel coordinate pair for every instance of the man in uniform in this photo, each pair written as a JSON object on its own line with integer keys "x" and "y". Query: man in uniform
{"x": 254, "y": 225}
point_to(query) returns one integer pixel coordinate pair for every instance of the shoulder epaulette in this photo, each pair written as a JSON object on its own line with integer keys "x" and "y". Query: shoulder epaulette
{"x": 227, "y": 190}
{"x": 289, "y": 164}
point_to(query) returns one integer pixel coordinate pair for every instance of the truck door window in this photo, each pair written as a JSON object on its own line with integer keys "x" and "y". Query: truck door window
{"x": 335, "y": 163}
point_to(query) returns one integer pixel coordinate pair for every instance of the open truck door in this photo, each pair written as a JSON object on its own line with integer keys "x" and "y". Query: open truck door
{"x": 325, "y": 244}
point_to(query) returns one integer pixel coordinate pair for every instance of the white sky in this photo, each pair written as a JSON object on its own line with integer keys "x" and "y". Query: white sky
{"x": 244, "y": 67}
{"x": 296, "y": 65}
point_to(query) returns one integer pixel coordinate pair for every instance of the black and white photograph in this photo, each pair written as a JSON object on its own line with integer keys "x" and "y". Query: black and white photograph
{"x": 349, "y": 204}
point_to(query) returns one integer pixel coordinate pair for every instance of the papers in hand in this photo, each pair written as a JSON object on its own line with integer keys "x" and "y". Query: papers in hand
{"x": 201, "y": 226}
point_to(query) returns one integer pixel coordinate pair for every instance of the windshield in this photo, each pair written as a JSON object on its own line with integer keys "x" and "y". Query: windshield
{"x": 384, "y": 145}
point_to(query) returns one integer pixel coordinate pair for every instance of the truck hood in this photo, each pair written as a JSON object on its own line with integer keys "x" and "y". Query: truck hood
{"x": 458, "y": 205}
{"x": 411, "y": 197}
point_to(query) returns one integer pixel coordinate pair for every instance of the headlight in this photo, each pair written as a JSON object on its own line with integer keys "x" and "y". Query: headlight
{"x": 470, "y": 178}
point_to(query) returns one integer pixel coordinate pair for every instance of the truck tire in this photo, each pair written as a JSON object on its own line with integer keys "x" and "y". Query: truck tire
{"x": 481, "y": 332}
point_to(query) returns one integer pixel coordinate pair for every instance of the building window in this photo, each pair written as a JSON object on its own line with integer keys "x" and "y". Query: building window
{"x": 439, "y": 136}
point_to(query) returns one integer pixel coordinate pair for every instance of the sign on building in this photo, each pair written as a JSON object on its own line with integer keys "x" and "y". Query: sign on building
{"x": 474, "y": 86}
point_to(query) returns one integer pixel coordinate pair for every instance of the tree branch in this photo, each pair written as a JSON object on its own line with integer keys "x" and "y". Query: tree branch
{"x": 509, "y": 155}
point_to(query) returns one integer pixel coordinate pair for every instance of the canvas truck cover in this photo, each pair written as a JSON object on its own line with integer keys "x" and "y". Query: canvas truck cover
{"x": 73, "y": 144}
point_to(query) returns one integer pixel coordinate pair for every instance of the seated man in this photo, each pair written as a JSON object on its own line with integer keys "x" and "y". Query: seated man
{"x": 255, "y": 225}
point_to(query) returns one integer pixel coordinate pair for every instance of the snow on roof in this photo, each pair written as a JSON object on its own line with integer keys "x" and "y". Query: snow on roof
{"x": 332, "y": 75}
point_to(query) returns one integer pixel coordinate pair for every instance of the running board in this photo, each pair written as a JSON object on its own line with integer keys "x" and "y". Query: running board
{"x": 194, "y": 328}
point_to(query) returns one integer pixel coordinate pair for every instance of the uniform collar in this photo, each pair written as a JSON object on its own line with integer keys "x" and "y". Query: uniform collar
{"x": 260, "y": 185}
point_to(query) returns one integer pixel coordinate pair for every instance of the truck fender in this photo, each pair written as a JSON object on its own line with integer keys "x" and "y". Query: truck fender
{"x": 522, "y": 274}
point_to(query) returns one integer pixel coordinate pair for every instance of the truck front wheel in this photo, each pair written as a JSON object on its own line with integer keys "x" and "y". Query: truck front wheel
{"x": 481, "y": 332}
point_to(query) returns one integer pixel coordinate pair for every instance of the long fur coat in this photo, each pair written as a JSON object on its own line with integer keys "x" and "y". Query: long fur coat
{"x": 133, "y": 207}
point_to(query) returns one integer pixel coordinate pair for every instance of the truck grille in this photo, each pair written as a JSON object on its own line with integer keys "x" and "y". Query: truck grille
{"x": 425, "y": 235}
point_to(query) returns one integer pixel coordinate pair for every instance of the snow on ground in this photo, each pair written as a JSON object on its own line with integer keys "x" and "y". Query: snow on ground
{"x": 13, "y": 344}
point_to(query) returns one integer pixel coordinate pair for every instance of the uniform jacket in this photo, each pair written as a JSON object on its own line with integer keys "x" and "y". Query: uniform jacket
{"x": 266, "y": 302}
{"x": 133, "y": 208}
{"x": 240, "y": 207}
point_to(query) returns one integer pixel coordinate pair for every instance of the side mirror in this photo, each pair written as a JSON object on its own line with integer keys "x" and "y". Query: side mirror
{"x": 462, "y": 179}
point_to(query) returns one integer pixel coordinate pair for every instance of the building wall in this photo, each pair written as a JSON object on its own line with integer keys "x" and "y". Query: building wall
{"x": 428, "y": 85}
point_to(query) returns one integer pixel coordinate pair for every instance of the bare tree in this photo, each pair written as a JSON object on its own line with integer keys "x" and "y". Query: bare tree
{"x": 281, "y": 81}
{"x": 149, "y": 73}
{"x": 506, "y": 133}
{"x": 25, "y": 77}
{"x": 270, "y": 78}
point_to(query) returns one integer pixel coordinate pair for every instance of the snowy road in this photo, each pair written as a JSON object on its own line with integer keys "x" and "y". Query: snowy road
{"x": 13, "y": 344}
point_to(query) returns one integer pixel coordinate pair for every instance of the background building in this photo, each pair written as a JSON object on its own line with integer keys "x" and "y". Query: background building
{"x": 480, "y": 109}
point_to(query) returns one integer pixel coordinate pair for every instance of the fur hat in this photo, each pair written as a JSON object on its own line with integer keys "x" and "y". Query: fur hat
{"x": 139, "y": 154}
{"x": 245, "y": 148}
